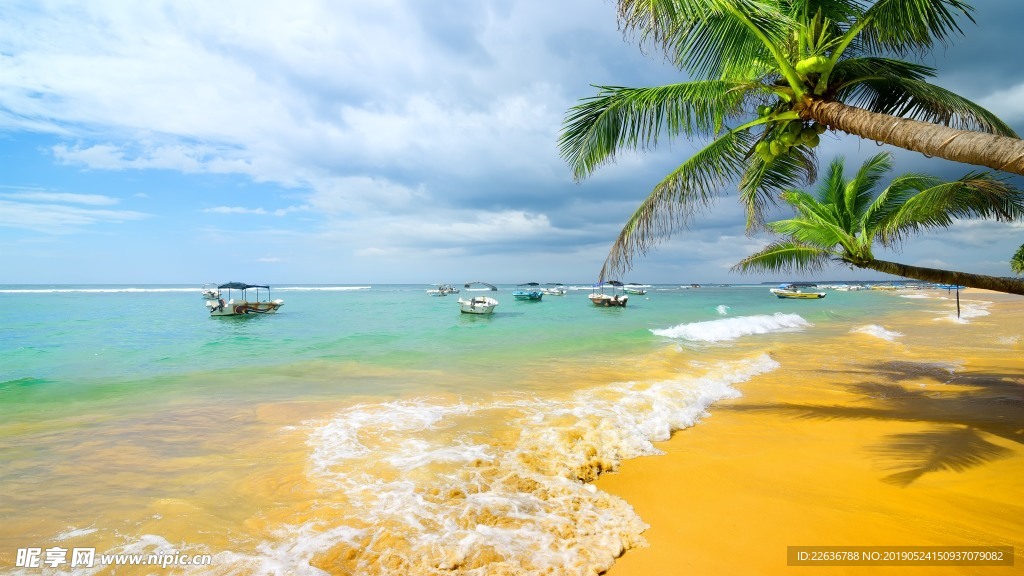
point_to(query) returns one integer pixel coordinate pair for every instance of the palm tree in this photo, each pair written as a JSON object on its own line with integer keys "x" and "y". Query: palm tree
{"x": 769, "y": 77}
{"x": 843, "y": 220}
{"x": 1017, "y": 262}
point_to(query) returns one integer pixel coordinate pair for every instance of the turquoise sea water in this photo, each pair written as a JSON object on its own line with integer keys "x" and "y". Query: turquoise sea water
{"x": 366, "y": 429}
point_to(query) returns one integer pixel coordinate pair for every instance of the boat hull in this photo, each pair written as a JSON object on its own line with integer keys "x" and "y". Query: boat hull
{"x": 243, "y": 307}
{"x": 478, "y": 305}
{"x": 606, "y": 301}
{"x": 527, "y": 295}
{"x": 798, "y": 295}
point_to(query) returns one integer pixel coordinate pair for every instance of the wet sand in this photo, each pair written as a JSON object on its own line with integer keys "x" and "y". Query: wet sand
{"x": 922, "y": 446}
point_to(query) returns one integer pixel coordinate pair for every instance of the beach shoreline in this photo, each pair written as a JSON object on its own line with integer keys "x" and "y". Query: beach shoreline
{"x": 922, "y": 447}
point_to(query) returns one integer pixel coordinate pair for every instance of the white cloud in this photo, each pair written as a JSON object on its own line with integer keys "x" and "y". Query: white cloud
{"x": 65, "y": 197}
{"x": 255, "y": 211}
{"x": 59, "y": 219}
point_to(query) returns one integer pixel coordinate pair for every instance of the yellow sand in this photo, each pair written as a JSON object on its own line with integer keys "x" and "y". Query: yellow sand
{"x": 832, "y": 451}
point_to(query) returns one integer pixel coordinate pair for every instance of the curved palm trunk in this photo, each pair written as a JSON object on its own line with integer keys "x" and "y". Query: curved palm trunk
{"x": 1008, "y": 285}
{"x": 969, "y": 147}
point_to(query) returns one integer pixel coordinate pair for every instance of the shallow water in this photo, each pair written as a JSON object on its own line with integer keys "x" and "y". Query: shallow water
{"x": 372, "y": 430}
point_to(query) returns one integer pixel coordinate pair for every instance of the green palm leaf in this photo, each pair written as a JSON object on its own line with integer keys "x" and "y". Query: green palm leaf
{"x": 690, "y": 188}
{"x": 785, "y": 256}
{"x": 596, "y": 129}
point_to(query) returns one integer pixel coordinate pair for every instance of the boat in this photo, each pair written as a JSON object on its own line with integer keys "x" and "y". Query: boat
{"x": 531, "y": 292}
{"x": 634, "y": 288}
{"x": 792, "y": 291}
{"x": 210, "y": 292}
{"x": 242, "y": 306}
{"x": 554, "y": 289}
{"x": 443, "y": 290}
{"x": 617, "y": 296}
{"x": 480, "y": 287}
{"x": 477, "y": 305}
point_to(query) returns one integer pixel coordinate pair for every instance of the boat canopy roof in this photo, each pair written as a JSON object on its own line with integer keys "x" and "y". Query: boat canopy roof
{"x": 241, "y": 286}
{"x": 491, "y": 286}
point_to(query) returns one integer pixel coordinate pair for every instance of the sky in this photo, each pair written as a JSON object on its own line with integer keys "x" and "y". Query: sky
{"x": 394, "y": 141}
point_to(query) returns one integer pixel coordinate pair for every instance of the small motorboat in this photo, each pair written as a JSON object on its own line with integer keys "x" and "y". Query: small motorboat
{"x": 554, "y": 289}
{"x": 634, "y": 288}
{"x": 210, "y": 292}
{"x": 242, "y": 306}
{"x": 478, "y": 305}
{"x": 792, "y": 291}
{"x": 532, "y": 292}
{"x": 616, "y": 298}
{"x": 443, "y": 290}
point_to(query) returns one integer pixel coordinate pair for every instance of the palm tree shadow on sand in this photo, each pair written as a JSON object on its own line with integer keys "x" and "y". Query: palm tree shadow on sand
{"x": 991, "y": 404}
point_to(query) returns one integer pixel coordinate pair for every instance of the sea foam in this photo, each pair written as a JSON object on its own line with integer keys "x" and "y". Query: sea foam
{"x": 734, "y": 328}
{"x": 500, "y": 486}
{"x": 878, "y": 332}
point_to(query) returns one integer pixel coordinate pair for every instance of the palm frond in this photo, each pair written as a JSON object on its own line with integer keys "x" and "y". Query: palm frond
{"x": 861, "y": 190}
{"x": 763, "y": 181}
{"x": 876, "y": 222}
{"x": 976, "y": 195}
{"x": 690, "y": 188}
{"x": 912, "y": 26}
{"x": 785, "y": 256}
{"x": 595, "y": 130}
{"x": 703, "y": 38}
{"x": 919, "y": 100}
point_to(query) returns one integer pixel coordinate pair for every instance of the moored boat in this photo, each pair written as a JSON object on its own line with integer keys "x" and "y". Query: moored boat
{"x": 554, "y": 289}
{"x": 531, "y": 292}
{"x": 478, "y": 305}
{"x": 243, "y": 306}
{"x": 793, "y": 292}
{"x": 616, "y": 298}
{"x": 210, "y": 292}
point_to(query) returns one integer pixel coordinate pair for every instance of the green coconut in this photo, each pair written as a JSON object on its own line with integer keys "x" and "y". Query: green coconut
{"x": 820, "y": 128}
{"x": 812, "y": 141}
{"x": 776, "y": 147}
{"x": 794, "y": 128}
{"x": 812, "y": 65}
{"x": 807, "y": 133}
{"x": 764, "y": 110}
{"x": 788, "y": 138}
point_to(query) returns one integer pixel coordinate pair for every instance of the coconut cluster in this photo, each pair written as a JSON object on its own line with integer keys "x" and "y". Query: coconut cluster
{"x": 784, "y": 136}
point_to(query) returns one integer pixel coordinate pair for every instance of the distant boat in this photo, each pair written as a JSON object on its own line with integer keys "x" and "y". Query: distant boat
{"x": 532, "y": 292}
{"x": 554, "y": 289}
{"x": 242, "y": 306}
{"x": 443, "y": 290}
{"x": 617, "y": 297}
{"x": 210, "y": 292}
{"x": 480, "y": 287}
{"x": 634, "y": 288}
{"x": 792, "y": 291}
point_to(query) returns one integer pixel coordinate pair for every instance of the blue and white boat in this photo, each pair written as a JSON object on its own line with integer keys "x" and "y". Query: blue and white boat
{"x": 531, "y": 292}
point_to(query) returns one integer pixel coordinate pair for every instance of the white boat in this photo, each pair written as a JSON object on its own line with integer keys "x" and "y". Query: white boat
{"x": 634, "y": 288}
{"x": 554, "y": 290}
{"x": 242, "y": 305}
{"x": 792, "y": 291}
{"x": 210, "y": 292}
{"x": 443, "y": 290}
{"x": 616, "y": 297}
{"x": 477, "y": 305}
